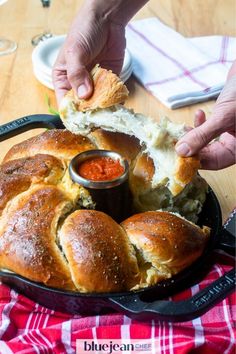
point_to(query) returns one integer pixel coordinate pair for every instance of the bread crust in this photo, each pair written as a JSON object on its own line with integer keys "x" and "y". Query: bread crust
{"x": 142, "y": 173}
{"x": 186, "y": 169}
{"x": 99, "y": 253}
{"x": 126, "y": 145}
{"x": 28, "y": 237}
{"x": 16, "y": 176}
{"x": 144, "y": 169}
{"x": 57, "y": 142}
{"x": 108, "y": 91}
{"x": 166, "y": 242}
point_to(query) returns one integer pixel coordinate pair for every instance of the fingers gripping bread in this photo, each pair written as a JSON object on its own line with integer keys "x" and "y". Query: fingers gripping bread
{"x": 109, "y": 90}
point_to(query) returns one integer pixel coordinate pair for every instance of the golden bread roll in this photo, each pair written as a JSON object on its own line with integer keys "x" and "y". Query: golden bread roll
{"x": 17, "y": 175}
{"x": 165, "y": 244}
{"x": 28, "y": 236}
{"x": 125, "y": 145}
{"x": 47, "y": 239}
{"x": 57, "y": 142}
{"x": 108, "y": 90}
{"x": 98, "y": 250}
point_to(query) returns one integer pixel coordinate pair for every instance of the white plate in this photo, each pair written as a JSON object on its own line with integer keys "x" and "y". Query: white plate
{"x": 43, "y": 79}
{"x": 45, "y": 54}
{"x": 46, "y": 79}
{"x": 47, "y": 75}
{"x": 126, "y": 77}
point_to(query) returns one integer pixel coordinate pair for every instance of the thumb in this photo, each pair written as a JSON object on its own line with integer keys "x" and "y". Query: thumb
{"x": 77, "y": 73}
{"x": 193, "y": 141}
{"x": 221, "y": 120}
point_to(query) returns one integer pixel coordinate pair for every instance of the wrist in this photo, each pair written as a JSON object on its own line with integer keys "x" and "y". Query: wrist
{"x": 116, "y": 11}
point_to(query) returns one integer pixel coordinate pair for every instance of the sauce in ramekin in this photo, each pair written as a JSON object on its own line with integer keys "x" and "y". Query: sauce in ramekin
{"x": 101, "y": 168}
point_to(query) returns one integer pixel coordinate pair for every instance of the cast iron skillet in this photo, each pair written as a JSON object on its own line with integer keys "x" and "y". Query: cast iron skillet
{"x": 145, "y": 303}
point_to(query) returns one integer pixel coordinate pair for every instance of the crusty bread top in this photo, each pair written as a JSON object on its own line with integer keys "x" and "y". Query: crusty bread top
{"x": 166, "y": 242}
{"x": 100, "y": 255}
{"x": 28, "y": 236}
{"x": 108, "y": 91}
{"x": 125, "y": 145}
{"x": 57, "y": 142}
{"x": 16, "y": 176}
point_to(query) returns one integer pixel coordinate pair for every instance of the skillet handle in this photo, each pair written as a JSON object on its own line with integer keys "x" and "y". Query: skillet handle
{"x": 23, "y": 124}
{"x": 178, "y": 311}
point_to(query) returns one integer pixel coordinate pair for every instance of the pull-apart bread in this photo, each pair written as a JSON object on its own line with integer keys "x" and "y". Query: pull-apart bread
{"x": 49, "y": 230}
{"x": 103, "y": 110}
{"x": 159, "y": 178}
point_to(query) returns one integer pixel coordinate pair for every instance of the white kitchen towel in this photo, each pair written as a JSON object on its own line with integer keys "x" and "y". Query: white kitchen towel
{"x": 179, "y": 71}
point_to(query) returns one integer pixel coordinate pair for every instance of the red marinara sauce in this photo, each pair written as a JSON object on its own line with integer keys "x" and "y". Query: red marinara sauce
{"x": 102, "y": 168}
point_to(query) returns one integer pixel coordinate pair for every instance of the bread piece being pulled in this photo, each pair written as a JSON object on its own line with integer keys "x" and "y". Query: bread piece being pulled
{"x": 103, "y": 110}
{"x": 108, "y": 90}
{"x": 187, "y": 203}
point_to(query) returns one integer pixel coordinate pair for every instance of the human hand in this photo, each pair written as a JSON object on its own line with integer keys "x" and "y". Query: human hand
{"x": 91, "y": 40}
{"x": 219, "y": 153}
{"x": 97, "y": 35}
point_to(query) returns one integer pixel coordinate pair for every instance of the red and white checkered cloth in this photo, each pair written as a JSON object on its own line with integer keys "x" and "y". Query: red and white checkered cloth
{"x": 28, "y": 328}
{"x": 177, "y": 70}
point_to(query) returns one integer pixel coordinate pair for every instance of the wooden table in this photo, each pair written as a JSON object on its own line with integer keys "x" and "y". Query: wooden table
{"x": 21, "y": 94}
